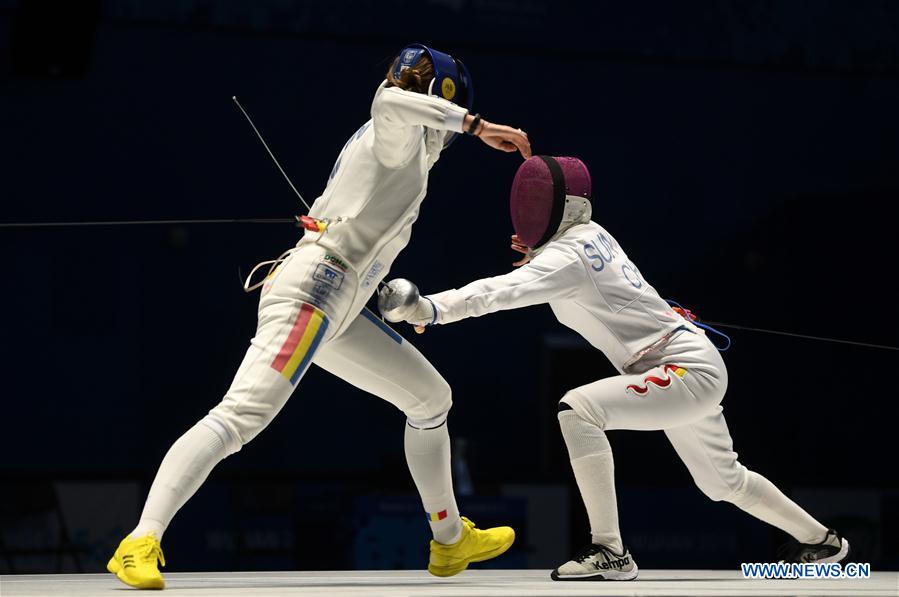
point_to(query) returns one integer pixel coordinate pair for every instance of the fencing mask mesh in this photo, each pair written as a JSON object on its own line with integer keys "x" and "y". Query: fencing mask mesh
{"x": 549, "y": 194}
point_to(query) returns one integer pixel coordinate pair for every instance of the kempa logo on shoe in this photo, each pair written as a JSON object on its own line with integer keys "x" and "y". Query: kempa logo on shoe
{"x": 619, "y": 563}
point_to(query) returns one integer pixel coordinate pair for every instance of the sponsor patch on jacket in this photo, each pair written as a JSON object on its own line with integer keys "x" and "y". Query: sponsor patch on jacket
{"x": 320, "y": 293}
{"x": 328, "y": 275}
{"x": 376, "y": 268}
{"x": 336, "y": 261}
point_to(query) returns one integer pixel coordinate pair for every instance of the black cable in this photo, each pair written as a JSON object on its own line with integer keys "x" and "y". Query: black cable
{"x": 805, "y": 336}
{"x": 293, "y": 221}
{"x": 148, "y": 222}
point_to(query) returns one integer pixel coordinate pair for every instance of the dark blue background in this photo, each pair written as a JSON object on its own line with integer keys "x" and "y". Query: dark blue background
{"x": 746, "y": 155}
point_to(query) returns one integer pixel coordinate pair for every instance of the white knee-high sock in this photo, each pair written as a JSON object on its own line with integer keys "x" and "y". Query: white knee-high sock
{"x": 428, "y": 457}
{"x": 594, "y": 471}
{"x": 184, "y": 468}
{"x": 761, "y": 498}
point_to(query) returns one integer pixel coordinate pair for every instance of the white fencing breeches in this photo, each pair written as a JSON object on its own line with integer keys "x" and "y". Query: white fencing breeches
{"x": 309, "y": 312}
{"x": 305, "y": 317}
{"x": 677, "y": 389}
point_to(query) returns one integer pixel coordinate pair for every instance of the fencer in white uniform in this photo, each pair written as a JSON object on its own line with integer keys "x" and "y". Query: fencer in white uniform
{"x": 312, "y": 311}
{"x": 672, "y": 378}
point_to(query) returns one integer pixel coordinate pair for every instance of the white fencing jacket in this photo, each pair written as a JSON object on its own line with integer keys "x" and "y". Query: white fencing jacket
{"x": 380, "y": 178}
{"x": 591, "y": 286}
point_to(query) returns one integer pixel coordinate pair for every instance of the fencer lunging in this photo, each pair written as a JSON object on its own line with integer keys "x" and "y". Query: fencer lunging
{"x": 312, "y": 311}
{"x": 672, "y": 377}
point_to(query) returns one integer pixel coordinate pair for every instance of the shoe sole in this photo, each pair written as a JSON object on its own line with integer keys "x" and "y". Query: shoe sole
{"x": 116, "y": 568}
{"x": 599, "y": 576}
{"x": 445, "y": 571}
{"x": 840, "y": 556}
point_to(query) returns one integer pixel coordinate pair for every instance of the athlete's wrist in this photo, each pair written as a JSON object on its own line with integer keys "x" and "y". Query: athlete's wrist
{"x": 425, "y": 313}
{"x": 473, "y": 124}
{"x": 433, "y": 311}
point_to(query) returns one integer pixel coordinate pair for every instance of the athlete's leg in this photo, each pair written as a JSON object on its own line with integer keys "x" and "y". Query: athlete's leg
{"x": 635, "y": 401}
{"x": 606, "y": 557}
{"x": 705, "y": 446}
{"x": 374, "y": 358}
{"x": 585, "y": 413}
{"x": 594, "y": 472}
{"x": 682, "y": 383}
{"x": 679, "y": 390}
{"x": 289, "y": 332}
{"x": 288, "y": 335}
{"x": 275, "y": 362}
{"x": 666, "y": 389}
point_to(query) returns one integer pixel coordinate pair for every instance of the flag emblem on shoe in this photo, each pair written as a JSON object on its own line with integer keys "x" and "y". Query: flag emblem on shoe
{"x": 659, "y": 382}
{"x": 302, "y": 341}
{"x": 435, "y": 516}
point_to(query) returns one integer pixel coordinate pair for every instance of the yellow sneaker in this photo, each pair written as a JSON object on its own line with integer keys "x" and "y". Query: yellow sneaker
{"x": 475, "y": 545}
{"x": 134, "y": 562}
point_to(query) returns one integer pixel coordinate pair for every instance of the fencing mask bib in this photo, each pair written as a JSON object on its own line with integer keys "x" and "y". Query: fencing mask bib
{"x": 549, "y": 195}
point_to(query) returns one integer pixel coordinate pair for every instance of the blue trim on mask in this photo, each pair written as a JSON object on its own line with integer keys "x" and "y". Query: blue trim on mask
{"x": 445, "y": 67}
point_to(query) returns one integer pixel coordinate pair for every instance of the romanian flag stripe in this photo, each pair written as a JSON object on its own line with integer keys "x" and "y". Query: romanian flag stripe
{"x": 293, "y": 338}
{"x": 313, "y": 346}
{"x": 435, "y": 516}
{"x": 302, "y": 341}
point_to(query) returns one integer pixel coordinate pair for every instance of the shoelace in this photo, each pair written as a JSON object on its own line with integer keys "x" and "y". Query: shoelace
{"x": 590, "y": 551}
{"x": 152, "y": 550}
{"x": 694, "y": 319}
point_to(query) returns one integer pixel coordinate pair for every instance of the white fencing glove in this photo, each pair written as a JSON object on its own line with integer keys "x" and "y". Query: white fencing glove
{"x": 399, "y": 300}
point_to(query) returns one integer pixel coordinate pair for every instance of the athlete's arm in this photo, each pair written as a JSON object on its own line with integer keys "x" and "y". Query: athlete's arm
{"x": 395, "y": 114}
{"x": 397, "y": 108}
{"x": 554, "y": 274}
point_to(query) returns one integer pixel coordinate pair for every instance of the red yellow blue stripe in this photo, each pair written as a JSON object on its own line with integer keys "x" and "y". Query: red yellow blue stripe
{"x": 301, "y": 343}
{"x": 435, "y": 516}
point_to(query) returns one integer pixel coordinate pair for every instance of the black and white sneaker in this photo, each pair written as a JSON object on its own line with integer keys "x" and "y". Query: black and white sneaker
{"x": 597, "y": 562}
{"x": 833, "y": 549}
